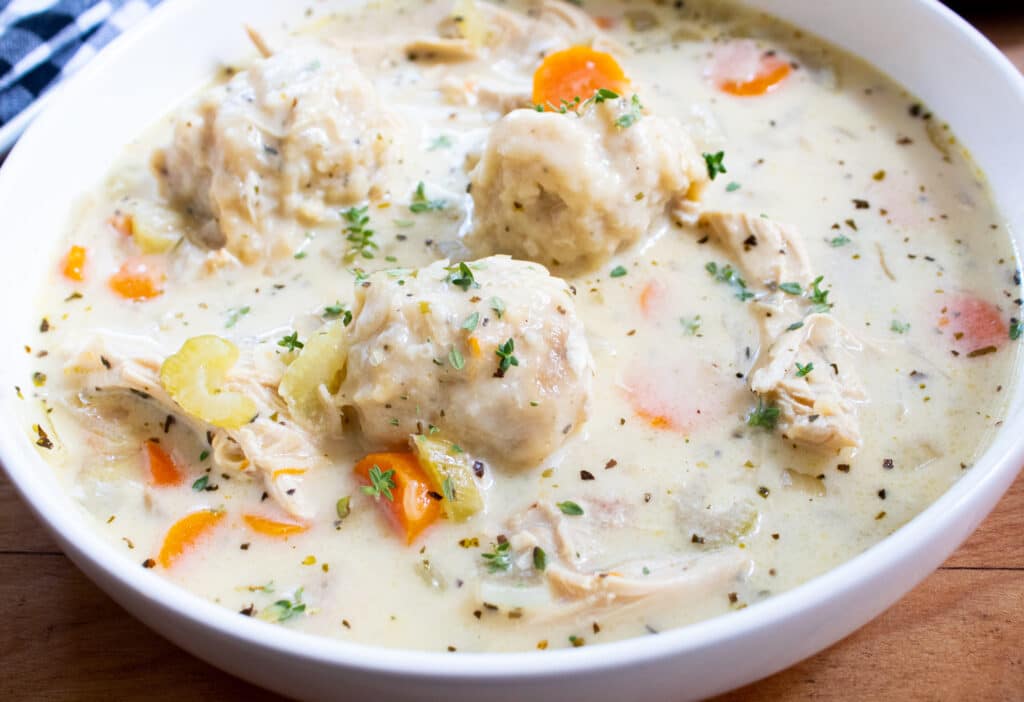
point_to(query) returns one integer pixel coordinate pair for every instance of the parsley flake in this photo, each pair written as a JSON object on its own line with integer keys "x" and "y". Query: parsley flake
{"x": 540, "y": 559}
{"x": 200, "y": 484}
{"x": 899, "y": 327}
{"x": 441, "y": 142}
{"x": 726, "y": 274}
{"x": 338, "y": 310}
{"x": 1016, "y": 329}
{"x": 618, "y": 272}
{"x": 791, "y": 288}
{"x": 819, "y": 297}
{"x": 802, "y": 370}
{"x": 498, "y": 305}
{"x": 691, "y": 325}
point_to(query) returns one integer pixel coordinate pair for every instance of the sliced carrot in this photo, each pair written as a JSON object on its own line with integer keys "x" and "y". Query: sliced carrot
{"x": 163, "y": 471}
{"x": 74, "y": 263}
{"x": 287, "y": 471}
{"x": 974, "y": 326}
{"x": 122, "y": 222}
{"x": 711, "y": 395}
{"x": 412, "y": 508}
{"x": 742, "y": 69}
{"x": 652, "y": 298}
{"x": 474, "y": 346}
{"x": 185, "y": 533}
{"x": 576, "y": 72}
{"x": 136, "y": 280}
{"x": 271, "y": 527}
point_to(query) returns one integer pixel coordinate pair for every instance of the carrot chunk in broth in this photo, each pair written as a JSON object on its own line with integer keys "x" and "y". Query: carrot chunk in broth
{"x": 163, "y": 471}
{"x": 186, "y": 533}
{"x": 576, "y": 72}
{"x": 410, "y": 507}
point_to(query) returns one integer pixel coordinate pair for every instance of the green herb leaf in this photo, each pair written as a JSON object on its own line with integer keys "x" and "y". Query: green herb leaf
{"x": 792, "y": 288}
{"x": 448, "y": 489}
{"x": 338, "y": 310}
{"x": 570, "y": 508}
{"x": 283, "y": 610}
{"x": 469, "y": 324}
{"x": 691, "y": 325}
{"x": 200, "y": 484}
{"x": 726, "y": 274}
{"x": 358, "y": 234}
{"x": 1016, "y": 329}
{"x": 732, "y": 187}
{"x": 456, "y": 360}
{"x": 381, "y": 483}
{"x": 763, "y": 415}
{"x": 802, "y": 371}
{"x": 204, "y": 454}
{"x": 715, "y": 163}
{"x": 499, "y": 559}
{"x": 618, "y": 272}
{"x": 441, "y": 142}
{"x": 540, "y": 559}
{"x": 235, "y": 314}
{"x": 632, "y": 116}
{"x": 819, "y": 297}
{"x": 420, "y": 202}
{"x": 460, "y": 275}
{"x": 498, "y": 305}
{"x": 504, "y": 352}
{"x": 841, "y": 240}
{"x": 794, "y": 326}
{"x": 291, "y": 342}
{"x": 902, "y": 327}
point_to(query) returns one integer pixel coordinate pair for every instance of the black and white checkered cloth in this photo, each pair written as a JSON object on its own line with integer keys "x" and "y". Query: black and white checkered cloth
{"x": 43, "y": 41}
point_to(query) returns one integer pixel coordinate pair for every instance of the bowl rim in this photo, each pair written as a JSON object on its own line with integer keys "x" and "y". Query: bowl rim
{"x": 993, "y": 471}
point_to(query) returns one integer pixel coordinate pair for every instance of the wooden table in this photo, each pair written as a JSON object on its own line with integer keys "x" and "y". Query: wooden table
{"x": 958, "y": 636}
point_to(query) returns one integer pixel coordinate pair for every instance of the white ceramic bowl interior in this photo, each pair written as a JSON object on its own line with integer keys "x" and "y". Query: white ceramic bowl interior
{"x": 142, "y": 75}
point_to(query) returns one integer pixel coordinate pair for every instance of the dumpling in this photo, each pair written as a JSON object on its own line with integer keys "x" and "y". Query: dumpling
{"x": 570, "y": 189}
{"x": 268, "y": 152}
{"x": 489, "y": 355}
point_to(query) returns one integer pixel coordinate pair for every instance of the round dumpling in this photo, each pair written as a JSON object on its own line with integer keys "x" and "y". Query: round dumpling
{"x": 489, "y": 355}
{"x": 269, "y": 151}
{"x": 570, "y": 189}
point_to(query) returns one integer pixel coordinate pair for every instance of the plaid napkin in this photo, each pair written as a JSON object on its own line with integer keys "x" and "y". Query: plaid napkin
{"x": 42, "y": 41}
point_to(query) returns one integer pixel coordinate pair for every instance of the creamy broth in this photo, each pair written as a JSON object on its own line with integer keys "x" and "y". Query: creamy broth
{"x": 694, "y": 502}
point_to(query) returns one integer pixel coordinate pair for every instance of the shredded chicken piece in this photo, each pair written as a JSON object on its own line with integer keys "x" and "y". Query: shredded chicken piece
{"x": 818, "y": 409}
{"x": 768, "y": 253}
{"x": 271, "y": 446}
{"x": 543, "y": 525}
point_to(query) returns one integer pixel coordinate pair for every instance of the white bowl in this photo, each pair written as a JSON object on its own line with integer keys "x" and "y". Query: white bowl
{"x": 962, "y": 77}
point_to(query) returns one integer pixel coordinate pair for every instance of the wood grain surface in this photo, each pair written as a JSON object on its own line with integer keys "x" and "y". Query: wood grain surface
{"x": 958, "y": 636}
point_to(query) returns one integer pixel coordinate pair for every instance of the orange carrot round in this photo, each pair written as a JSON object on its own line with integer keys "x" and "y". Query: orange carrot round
{"x": 974, "y": 326}
{"x": 411, "y": 508}
{"x": 162, "y": 469}
{"x": 185, "y": 533}
{"x": 742, "y": 69}
{"x": 576, "y": 72}
{"x": 136, "y": 280}
{"x": 122, "y": 222}
{"x": 271, "y": 527}
{"x": 74, "y": 264}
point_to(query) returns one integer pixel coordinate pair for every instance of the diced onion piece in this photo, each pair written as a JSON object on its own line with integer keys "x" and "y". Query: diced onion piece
{"x": 443, "y": 461}
{"x": 320, "y": 364}
{"x": 470, "y": 22}
{"x": 193, "y": 378}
